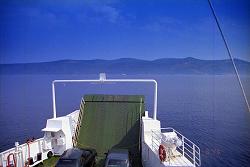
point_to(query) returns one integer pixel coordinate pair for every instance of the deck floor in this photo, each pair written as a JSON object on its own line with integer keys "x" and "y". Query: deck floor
{"x": 49, "y": 162}
{"x": 178, "y": 161}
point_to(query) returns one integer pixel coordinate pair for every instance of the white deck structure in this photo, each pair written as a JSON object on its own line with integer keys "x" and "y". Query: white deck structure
{"x": 187, "y": 154}
{"x": 57, "y": 138}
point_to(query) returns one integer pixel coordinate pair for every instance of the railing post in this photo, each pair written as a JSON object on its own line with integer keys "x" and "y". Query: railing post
{"x": 194, "y": 154}
{"x": 155, "y": 101}
{"x": 152, "y": 139}
{"x": 1, "y": 158}
{"x": 182, "y": 138}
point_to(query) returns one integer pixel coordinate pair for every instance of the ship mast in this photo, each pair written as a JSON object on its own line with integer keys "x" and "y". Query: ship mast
{"x": 229, "y": 53}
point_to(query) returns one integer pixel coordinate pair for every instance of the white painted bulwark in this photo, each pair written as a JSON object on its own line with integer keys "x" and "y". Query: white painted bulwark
{"x": 57, "y": 138}
{"x": 23, "y": 152}
{"x": 59, "y": 132}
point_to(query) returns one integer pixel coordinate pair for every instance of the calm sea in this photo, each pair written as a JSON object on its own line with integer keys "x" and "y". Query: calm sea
{"x": 207, "y": 109}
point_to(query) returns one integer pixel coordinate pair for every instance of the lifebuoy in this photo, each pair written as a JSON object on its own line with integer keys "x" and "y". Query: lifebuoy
{"x": 162, "y": 153}
{"x": 8, "y": 160}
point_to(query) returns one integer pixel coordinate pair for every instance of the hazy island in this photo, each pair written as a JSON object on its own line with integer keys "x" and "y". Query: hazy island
{"x": 187, "y": 65}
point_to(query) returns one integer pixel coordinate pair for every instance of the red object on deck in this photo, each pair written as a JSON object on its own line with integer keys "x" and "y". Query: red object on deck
{"x": 162, "y": 153}
{"x": 8, "y": 160}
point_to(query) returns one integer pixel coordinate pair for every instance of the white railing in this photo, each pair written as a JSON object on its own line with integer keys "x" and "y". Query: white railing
{"x": 188, "y": 149}
{"x": 76, "y": 129}
{"x": 23, "y": 152}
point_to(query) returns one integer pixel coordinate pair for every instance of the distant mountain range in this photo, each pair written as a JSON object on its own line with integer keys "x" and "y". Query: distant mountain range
{"x": 187, "y": 65}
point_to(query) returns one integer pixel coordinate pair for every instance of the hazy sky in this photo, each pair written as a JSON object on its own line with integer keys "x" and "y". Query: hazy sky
{"x": 47, "y": 30}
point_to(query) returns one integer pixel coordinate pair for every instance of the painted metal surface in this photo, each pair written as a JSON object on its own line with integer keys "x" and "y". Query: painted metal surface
{"x": 111, "y": 121}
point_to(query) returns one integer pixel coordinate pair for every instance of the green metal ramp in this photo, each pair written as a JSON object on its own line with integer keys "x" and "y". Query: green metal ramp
{"x": 111, "y": 121}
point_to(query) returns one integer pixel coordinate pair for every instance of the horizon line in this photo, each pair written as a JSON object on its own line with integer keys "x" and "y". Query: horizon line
{"x": 120, "y": 59}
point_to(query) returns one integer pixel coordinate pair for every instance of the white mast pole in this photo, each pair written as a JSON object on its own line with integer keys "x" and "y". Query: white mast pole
{"x": 229, "y": 53}
{"x": 155, "y": 101}
{"x": 54, "y": 99}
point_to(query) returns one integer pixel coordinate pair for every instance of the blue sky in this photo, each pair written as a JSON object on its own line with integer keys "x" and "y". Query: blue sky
{"x": 45, "y": 30}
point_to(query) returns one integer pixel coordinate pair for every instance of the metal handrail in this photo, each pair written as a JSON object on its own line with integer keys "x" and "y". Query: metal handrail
{"x": 20, "y": 150}
{"x": 188, "y": 148}
{"x": 103, "y": 79}
{"x": 196, "y": 147}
